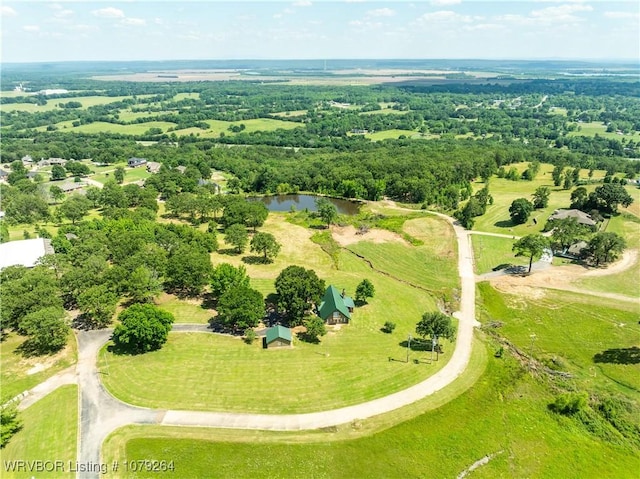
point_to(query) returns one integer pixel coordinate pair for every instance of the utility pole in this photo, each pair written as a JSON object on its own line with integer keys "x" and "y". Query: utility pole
{"x": 408, "y": 347}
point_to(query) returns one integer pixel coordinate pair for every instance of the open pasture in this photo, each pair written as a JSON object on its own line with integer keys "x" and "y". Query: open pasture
{"x": 593, "y": 128}
{"x": 53, "y": 103}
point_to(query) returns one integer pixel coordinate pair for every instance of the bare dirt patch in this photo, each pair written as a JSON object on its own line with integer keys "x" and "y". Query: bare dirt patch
{"x": 347, "y": 235}
{"x": 560, "y": 277}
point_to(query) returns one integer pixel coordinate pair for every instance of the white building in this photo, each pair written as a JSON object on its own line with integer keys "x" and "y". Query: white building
{"x": 24, "y": 252}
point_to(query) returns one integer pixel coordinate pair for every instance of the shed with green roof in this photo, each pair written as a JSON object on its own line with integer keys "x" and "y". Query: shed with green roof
{"x": 336, "y": 307}
{"x": 278, "y": 337}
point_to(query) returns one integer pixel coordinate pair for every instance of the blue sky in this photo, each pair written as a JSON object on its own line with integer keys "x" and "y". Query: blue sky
{"x": 160, "y": 30}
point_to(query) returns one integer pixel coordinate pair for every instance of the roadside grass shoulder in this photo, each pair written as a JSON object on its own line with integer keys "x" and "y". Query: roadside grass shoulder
{"x": 184, "y": 311}
{"x": 492, "y": 251}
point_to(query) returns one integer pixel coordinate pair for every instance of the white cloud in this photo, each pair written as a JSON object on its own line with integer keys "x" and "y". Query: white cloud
{"x": 442, "y": 3}
{"x": 445, "y": 16}
{"x": 381, "y": 12}
{"x": 31, "y": 28}
{"x": 7, "y": 11}
{"x": 561, "y": 14}
{"x": 109, "y": 12}
{"x": 622, "y": 15}
{"x": 277, "y": 15}
{"x": 302, "y": 3}
{"x": 62, "y": 13}
{"x": 136, "y": 22}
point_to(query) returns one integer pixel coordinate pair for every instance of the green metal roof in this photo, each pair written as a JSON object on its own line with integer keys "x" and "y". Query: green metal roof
{"x": 278, "y": 332}
{"x": 331, "y": 302}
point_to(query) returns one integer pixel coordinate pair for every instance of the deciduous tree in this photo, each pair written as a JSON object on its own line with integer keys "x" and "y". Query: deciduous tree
{"x": 532, "y": 246}
{"x": 520, "y": 210}
{"x": 605, "y": 247}
{"x": 298, "y": 290}
{"x": 241, "y": 307}
{"x": 436, "y": 325}
{"x": 142, "y": 328}
{"x": 226, "y": 276}
{"x": 236, "y": 235}
{"x": 266, "y": 244}
{"x": 47, "y": 330}
{"x": 365, "y": 290}
{"x": 327, "y": 211}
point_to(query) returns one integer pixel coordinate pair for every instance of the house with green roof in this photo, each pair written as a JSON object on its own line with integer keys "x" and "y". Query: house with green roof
{"x": 277, "y": 337}
{"x": 336, "y": 307}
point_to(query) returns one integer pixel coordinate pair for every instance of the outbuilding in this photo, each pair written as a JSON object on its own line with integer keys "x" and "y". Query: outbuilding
{"x": 278, "y": 337}
{"x": 24, "y": 252}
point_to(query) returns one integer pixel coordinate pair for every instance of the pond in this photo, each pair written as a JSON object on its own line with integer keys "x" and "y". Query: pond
{"x": 285, "y": 202}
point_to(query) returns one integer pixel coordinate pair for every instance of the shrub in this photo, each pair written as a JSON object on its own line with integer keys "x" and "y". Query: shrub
{"x": 569, "y": 403}
{"x": 388, "y": 327}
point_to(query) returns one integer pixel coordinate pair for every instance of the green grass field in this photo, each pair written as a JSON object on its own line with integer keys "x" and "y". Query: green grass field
{"x": 497, "y": 220}
{"x": 52, "y": 104}
{"x": 49, "y": 432}
{"x": 504, "y": 412}
{"x": 131, "y": 174}
{"x": 184, "y": 311}
{"x": 20, "y": 373}
{"x": 220, "y": 126}
{"x": 572, "y": 328}
{"x": 491, "y": 251}
{"x": 598, "y": 128}
{"x": 387, "y": 134}
{"x": 135, "y": 129}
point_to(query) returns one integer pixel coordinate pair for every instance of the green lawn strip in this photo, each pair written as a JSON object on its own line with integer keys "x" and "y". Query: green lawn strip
{"x": 216, "y": 127}
{"x": 185, "y": 311}
{"x": 570, "y": 330}
{"x": 492, "y": 251}
{"x": 49, "y": 433}
{"x": 504, "y": 411}
{"x": 14, "y": 373}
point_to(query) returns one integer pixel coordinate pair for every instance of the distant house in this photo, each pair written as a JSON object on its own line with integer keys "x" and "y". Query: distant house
{"x": 4, "y": 175}
{"x": 181, "y": 169}
{"x": 70, "y": 186}
{"x": 277, "y": 337}
{"x": 575, "y": 251}
{"x": 57, "y": 161}
{"x": 27, "y": 159}
{"x": 32, "y": 174}
{"x": 580, "y": 216}
{"x": 336, "y": 308}
{"x": 133, "y": 162}
{"x": 24, "y": 252}
{"x": 153, "y": 167}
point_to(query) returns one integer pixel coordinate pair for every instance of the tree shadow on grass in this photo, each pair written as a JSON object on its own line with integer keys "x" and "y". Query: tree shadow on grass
{"x": 255, "y": 260}
{"x": 417, "y": 344}
{"x": 504, "y": 224}
{"x": 209, "y": 301}
{"x": 619, "y": 356}
{"x": 29, "y": 349}
{"x": 230, "y": 251}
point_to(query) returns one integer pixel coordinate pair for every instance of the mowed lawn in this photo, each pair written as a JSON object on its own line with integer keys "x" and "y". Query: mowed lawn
{"x": 134, "y": 129}
{"x": 504, "y": 192}
{"x": 492, "y": 251}
{"x": 351, "y": 364}
{"x": 504, "y": 413}
{"x": 183, "y": 310}
{"x": 130, "y": 174}
{"x": 19, "y": 373}
{"x": 49, "y": 433}
{"x": 205, "y": 371}
{"x": 387, "y": 134}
